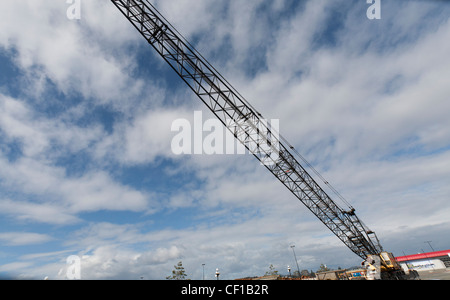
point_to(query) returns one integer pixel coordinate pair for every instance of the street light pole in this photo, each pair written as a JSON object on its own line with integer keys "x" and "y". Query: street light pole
{"x": 203, "y": 265}
{"x": 429, "y": 243}
{"x": 295, "y": 256}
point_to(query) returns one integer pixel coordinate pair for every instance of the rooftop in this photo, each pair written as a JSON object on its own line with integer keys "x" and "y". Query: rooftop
{"x": 423, "y": 255}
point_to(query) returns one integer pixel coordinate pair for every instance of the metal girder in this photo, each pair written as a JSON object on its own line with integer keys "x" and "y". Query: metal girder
{"x": 246, "y": 124}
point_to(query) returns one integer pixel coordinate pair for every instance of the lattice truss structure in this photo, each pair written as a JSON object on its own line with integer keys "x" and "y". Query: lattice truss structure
{"x": 246, "y": 124}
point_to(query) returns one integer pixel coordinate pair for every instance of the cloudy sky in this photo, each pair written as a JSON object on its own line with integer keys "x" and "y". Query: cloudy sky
{"x": 86, "y": 109}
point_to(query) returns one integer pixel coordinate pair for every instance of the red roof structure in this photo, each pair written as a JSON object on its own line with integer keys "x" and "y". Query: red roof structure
{"x": 423, "y": 255}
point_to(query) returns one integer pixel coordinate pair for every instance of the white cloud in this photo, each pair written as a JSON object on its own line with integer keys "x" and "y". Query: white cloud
{"x": 369, "y": 110}
{"x": 65, "y": 52}
{"x": 143, "y": 139}
{"x": 14, "y": 266}
{"x": 42, "y": 142}
{"x": 23, "y": 238}
{"x": 41, "y": 136}
{"x": 128, "y": 251}
{"x": 37, "y": 212}
{"x": 90, "y": 192}
{"x": 365, "y": 101}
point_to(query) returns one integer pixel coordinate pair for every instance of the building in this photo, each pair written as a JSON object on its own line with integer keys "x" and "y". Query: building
{"x": 438, "y": 260}
{"x": 332, "y": 275}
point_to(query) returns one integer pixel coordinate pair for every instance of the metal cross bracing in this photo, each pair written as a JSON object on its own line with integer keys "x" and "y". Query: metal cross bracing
{"x": 246, "y": 124}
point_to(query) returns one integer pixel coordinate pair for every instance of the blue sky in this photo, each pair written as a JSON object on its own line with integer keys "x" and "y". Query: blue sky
{"x": 86, "y": 109}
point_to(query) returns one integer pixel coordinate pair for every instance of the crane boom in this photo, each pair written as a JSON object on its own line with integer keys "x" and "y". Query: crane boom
{"x": 247, "y": 125}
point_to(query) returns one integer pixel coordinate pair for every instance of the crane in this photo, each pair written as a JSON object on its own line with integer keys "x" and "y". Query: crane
{"x": 250, "y": 128}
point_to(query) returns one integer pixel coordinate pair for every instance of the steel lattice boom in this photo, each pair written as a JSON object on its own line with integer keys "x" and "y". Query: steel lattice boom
{"x": 246, "y": 124}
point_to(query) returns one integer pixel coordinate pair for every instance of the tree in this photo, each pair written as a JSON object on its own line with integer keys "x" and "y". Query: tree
{"x": 323, "y": 268}
{"x": 272, "y": 271}
{"x": 178, "y": 273}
